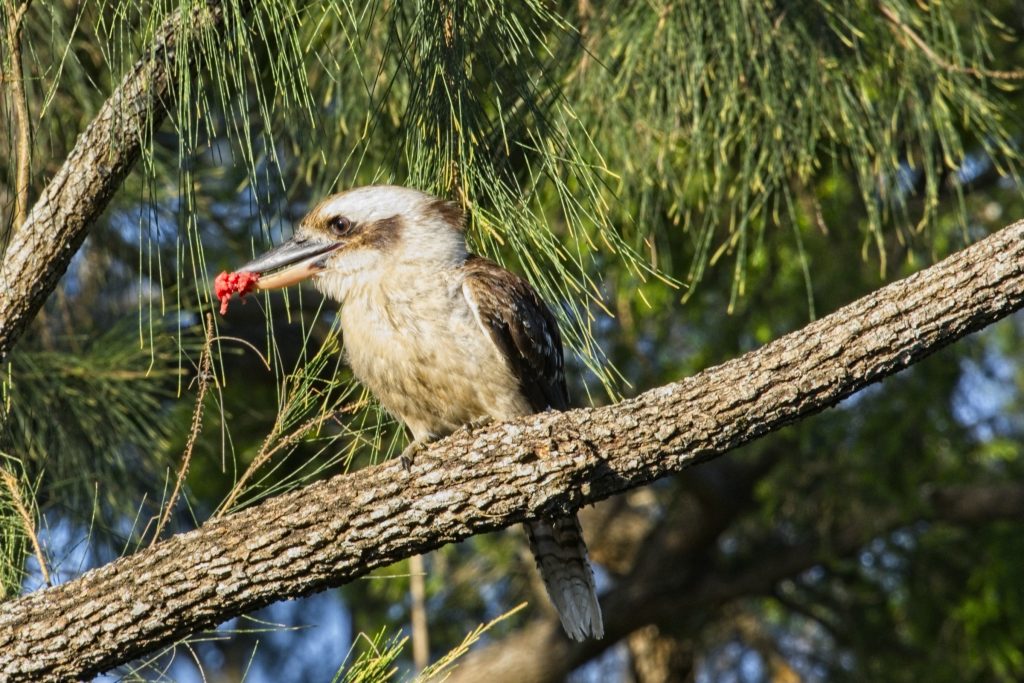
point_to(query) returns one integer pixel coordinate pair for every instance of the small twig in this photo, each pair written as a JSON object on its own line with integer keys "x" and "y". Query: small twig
{"x": 420, "y": 629}
{"x": 21, "y": 122}
{"x": 909, "y": 32}
{"x": 266, "y": 453}
{"x": 585, "y": 13}
{"x": 197, "y": 426}
{"x": 263, "y": 359}
{"x": 11, "y": 482}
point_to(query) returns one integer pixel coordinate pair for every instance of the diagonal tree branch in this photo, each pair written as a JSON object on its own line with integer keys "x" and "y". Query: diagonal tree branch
{"x": 549, "y": 464}
{"x": 41, "y": 248}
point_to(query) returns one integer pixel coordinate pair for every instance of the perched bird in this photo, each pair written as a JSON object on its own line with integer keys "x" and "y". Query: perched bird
{"x": 442, "y": 337}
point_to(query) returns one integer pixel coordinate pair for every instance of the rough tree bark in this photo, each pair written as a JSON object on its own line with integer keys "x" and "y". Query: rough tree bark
{"x": 41, "y": 249}
{"x": 548, "y": 464}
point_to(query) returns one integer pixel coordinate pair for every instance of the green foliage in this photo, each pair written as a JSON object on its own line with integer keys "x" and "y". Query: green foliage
{"x": 87, "y": 414}
{"x": 377, "y": 657}
{"x": 991, "y": 613}
{"x": 740, "y": 111}
{"x": 375, "y": 661}
{"x": 16, "y": 499}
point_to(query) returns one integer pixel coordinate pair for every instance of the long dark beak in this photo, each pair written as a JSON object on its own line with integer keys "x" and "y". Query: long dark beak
{"x": 290, "y": 262}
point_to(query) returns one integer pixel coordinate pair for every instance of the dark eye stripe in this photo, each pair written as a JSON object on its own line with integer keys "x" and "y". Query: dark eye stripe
{"x": 383, "y": 234}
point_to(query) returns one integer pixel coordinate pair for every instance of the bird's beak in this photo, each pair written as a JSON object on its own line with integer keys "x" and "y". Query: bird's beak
{"x": 290, "y": 262}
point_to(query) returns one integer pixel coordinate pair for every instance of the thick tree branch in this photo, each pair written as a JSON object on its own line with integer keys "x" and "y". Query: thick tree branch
{"x": 974, "y": 504}
{"x": 41, "y": 248}
{"x": 334, "y": 531}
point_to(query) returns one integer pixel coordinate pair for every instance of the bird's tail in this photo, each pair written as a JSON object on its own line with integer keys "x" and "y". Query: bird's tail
{"x": 562, "y": 560}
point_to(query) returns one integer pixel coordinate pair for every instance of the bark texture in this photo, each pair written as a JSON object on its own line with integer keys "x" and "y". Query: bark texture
{"x": 548, "y": 464}
{"x": 41, "y": 249}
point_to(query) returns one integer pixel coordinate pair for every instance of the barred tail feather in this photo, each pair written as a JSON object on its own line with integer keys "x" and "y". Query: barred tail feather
{"x": 562, "y": 560}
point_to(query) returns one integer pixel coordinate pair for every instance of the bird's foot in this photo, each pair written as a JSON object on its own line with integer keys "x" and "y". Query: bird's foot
{"x": 477, "y": 423}
{"x": 415, "y": 446}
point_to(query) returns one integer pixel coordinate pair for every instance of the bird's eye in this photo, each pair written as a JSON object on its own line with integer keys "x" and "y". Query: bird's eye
{"x": 340, "y": 226}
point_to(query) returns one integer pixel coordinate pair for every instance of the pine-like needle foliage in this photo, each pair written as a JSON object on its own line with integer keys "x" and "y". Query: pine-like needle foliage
{"x": 580, "y": 138}
{"x": 18, "y": 517}
{"x": 725, "y": 120}
{"x": 91, "y": 421}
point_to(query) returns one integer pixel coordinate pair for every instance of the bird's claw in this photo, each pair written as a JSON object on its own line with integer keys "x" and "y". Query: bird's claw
{"x": 411, "y": 451}
{"x": 477, "y": 423}
{"x": 408, "y": 455}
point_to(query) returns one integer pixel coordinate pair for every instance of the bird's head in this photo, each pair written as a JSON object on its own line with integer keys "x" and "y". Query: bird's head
{"x": 364, "y": 234}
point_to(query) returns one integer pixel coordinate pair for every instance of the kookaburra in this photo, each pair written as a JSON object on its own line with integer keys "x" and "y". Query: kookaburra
{"x": 442, "y": 337}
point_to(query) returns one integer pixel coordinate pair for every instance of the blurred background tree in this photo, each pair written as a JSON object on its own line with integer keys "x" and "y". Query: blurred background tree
{"x": 682, "y": 181}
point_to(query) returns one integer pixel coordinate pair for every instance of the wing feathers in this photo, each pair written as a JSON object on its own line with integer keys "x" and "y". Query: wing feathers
{"x": 521, "y": 327}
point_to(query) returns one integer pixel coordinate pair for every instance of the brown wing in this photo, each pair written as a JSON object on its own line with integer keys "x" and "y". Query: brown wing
{"x": 522, "y": 328}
